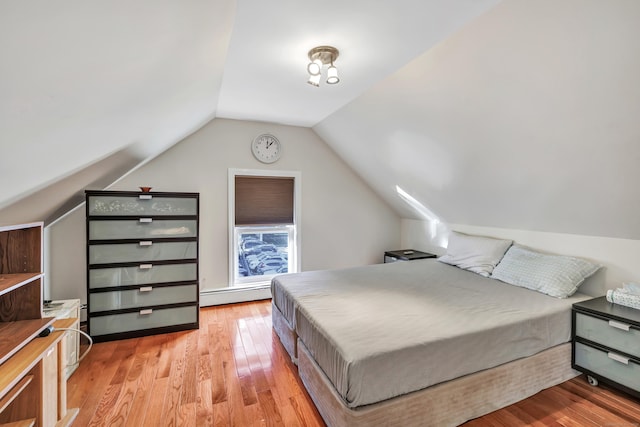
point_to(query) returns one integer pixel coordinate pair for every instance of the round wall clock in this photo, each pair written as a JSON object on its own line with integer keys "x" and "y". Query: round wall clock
{"x": 266, "y": 148}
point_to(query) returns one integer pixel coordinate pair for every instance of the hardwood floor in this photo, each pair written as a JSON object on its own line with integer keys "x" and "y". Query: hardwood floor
{"x": 233, "y": 371}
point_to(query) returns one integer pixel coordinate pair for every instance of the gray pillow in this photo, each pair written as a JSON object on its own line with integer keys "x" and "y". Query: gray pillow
{"x": 475, "y": 253}
{"x": 555, "y": 275}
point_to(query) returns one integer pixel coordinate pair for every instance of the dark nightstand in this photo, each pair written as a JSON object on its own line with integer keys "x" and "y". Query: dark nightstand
{"x": 606, "y": 343}
{"x": 406, "y": 255}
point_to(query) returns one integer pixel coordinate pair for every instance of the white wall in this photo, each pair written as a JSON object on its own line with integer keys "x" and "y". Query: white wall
{"x": 618, "y": 256}
{"x": 344, "y": 223}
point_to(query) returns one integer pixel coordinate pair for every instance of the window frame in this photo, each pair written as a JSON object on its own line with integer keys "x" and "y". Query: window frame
{"x": 295, "y": 252}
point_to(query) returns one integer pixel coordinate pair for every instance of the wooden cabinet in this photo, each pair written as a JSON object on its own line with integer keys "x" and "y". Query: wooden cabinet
{"x": 142, "y": 263}
{"x": 32, "y": 384}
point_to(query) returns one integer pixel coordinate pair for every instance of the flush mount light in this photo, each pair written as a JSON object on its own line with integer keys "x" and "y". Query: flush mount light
{"x": 319, "y": 57}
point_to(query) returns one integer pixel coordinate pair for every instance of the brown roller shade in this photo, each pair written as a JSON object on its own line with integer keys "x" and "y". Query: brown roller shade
{"x": 264, "y": 200}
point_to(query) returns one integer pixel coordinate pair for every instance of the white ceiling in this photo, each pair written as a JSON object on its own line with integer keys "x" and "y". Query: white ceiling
{"x": 514, "y": 113}
{"x": 94, "y": 79}
{"x": 265, "y": 70}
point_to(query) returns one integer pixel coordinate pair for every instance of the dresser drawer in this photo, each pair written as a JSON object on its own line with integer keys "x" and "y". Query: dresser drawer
{"x": 142, "y": 275}
{"x": 608, "y": 365}
{"x": 144, "y": 319}
{"x": 143, "y": 204}
{"x": 143, "y": 228}
{"x": 143, "y": 297}
{"x": 611, "y": 334}
{"x": 145, "y": 250}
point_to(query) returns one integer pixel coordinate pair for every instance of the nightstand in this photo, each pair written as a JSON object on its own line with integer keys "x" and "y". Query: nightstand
{"x": 406, "y": 255}
{"x": 606, "y": 344}
{"x": 66, "y": 309}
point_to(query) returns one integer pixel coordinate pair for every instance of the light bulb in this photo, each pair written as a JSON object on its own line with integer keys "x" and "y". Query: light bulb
{"x": 314, "y": 80}
{"x": 332, "y": 75}
{"x": 315, "y": 67}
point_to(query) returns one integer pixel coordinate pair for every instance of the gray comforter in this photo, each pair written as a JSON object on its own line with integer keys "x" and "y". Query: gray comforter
{"x": 384, "y": 330}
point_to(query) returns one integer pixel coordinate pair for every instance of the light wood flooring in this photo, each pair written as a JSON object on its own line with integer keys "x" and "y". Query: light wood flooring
{"x": 233, "y": 371}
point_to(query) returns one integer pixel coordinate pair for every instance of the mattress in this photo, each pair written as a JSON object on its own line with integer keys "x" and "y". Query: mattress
{"x": 385, "y": 330}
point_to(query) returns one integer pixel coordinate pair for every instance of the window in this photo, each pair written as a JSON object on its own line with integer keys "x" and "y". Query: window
{"x": 262, "y": 251}
{"x": 263, "y": 217}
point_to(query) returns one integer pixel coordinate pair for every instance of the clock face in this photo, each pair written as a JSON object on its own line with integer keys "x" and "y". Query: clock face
{"x": 266, "y": 148}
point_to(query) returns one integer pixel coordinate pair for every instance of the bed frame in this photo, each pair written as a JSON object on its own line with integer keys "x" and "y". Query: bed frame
{"x": 288, "y": 337}
{"x": 447, "y": 404}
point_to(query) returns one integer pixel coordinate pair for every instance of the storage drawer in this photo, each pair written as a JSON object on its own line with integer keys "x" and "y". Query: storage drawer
{"x": 141, "y": 275}
{"x": 145, "y": 250}
{"x": 144, "y": 319}
{"x": 608, "y": 365}
{"x": 613, "y": 334}
{"x": 143, "y": 228}
{"x": 143, "y": 297}
{"x": 144, "y": 204}
{"x": 72, "y": 342}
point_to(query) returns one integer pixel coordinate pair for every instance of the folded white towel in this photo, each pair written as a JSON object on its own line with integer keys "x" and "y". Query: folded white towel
{"x": 631, "y": 288}
{"x": 623, "y": 298}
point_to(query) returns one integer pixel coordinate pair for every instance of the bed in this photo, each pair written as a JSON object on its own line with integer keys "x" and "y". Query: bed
{"x": 420, "y": 342}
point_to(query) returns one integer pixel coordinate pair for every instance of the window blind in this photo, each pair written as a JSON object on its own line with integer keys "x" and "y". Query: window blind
{"x": 263, "y": 200}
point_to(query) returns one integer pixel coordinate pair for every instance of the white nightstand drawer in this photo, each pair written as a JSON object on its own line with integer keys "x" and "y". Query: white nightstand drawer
{"x": 144, "y": 297}
{"x": 144, "y": 319}
{"x": 141, "y": 275}
{"x": 616, "y": 335}
{"x": 144, "y": 250}
{"x": 143, "y": 204}
{"x": 610, "y": 365}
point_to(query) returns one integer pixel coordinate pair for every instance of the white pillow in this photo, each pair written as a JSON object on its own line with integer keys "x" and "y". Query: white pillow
{"x": 475, "y": 253}
{"x": 555, "y": 275}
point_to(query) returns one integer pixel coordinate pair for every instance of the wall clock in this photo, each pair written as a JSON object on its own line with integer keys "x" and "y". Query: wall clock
{"x": 266, "y": 148}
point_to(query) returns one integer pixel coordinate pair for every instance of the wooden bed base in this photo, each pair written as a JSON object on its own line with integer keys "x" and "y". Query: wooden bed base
{"x": 447, "y": 404}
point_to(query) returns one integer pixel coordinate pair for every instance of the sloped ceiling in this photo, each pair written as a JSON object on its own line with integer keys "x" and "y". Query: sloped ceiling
{"x": 527, "y": 118}
{"x": 88, "y": 88}
{"x": 517, "y": 114}
{"x": 82, "y": 82}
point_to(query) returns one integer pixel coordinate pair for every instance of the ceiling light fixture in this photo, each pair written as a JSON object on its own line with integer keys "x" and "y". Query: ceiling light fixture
{"x": 319, "y": 57}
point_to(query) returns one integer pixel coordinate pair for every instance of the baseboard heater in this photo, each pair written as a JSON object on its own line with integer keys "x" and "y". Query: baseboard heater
{"x": 234, "y": 294}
